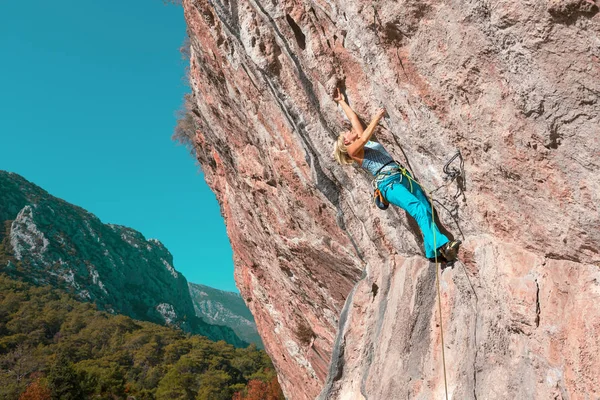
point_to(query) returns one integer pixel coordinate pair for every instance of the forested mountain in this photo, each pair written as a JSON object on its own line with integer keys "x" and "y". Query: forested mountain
{"x": 46, "y": 240}
{"x": 52, "y": 346}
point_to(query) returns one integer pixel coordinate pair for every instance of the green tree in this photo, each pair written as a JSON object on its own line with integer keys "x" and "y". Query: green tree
{"x": 177, "y": 385}
{"x": 63, "y": 380}
{"x": 214, "y": 385}
{"x": 17, "y": 365}
{"x": 102, "y": 377}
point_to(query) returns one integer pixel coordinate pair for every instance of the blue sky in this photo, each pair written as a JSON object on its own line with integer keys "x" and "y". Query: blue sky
{"x": 88, "y": 94}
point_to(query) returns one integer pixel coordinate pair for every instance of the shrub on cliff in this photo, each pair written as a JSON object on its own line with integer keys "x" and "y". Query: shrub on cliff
{"x": 185, "y": 128}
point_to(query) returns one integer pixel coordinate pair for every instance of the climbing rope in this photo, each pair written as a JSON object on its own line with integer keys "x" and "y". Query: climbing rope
{"x": 437, "y": 271}
{"x": 437, "y": 280}
{"x": 408, "y": 176}
{"x": 452, "y": 173}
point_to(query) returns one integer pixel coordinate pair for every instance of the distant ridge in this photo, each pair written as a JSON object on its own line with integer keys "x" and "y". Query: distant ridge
{"x": 225, "y": 308}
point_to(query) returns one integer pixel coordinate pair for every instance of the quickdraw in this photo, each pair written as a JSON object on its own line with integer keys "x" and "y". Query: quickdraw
{"x": 453, "y": 172}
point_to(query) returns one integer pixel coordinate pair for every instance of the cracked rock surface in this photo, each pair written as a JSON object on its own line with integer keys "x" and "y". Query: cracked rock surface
{"x": 513, "y": 85}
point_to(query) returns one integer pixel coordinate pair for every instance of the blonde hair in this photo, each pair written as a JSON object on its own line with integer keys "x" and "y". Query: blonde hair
{"x": 340, "y": 151}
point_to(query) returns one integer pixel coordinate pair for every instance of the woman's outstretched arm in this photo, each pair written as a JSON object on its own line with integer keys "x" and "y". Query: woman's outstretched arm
{"x": 354, "y": 120}
{"x": 364, "y": 138}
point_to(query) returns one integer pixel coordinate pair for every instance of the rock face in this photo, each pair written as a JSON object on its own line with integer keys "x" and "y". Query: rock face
{"x": 54, "y": 242}
{"x": 513, "y": 85}
{"x": 218, "y": 307}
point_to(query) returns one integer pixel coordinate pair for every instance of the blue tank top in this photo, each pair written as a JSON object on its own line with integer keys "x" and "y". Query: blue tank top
{"x": 375, "y": 157}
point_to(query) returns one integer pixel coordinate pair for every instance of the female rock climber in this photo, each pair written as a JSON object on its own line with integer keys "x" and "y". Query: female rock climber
{"x": 395, "y": 183}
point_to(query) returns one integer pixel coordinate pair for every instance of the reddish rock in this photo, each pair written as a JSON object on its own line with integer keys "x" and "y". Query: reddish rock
{"x": 514, "y": 86}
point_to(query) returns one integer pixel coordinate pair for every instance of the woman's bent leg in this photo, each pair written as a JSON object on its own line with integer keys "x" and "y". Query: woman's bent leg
{"x": 398, "y": 194}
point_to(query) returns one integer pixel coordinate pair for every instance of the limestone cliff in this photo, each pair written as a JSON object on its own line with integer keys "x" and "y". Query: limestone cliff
{"x": 513, "y": 85}
{"x": 219, "y": 307}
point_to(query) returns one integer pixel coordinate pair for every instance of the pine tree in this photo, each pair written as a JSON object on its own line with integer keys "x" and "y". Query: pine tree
{"x": 63, "y": 380}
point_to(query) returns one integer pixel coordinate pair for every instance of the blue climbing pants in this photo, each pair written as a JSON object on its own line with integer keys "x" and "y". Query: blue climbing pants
{"x": 400, "y": 191}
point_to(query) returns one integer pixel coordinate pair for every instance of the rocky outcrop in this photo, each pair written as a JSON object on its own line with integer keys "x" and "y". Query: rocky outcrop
{"x": 53, "y": 242}
{"x": 218, "y": 307}
{"x": 515, "y": 325}
{"x": 513, "y": 85}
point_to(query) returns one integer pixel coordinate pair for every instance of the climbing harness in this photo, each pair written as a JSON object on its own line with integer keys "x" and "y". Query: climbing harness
{"x": 383, "y": 166}
{"x": 452, "y": 174}
{"x": 396, "y": 169}
{"x": 378, "y": 198}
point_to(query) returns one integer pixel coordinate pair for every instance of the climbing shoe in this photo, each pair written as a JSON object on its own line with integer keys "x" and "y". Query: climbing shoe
{"x": 450, "y": 250}
{"x": 440, "y": 258}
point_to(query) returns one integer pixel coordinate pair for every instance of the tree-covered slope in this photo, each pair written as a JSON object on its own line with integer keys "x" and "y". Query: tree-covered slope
{"x": 51, "y": 344}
